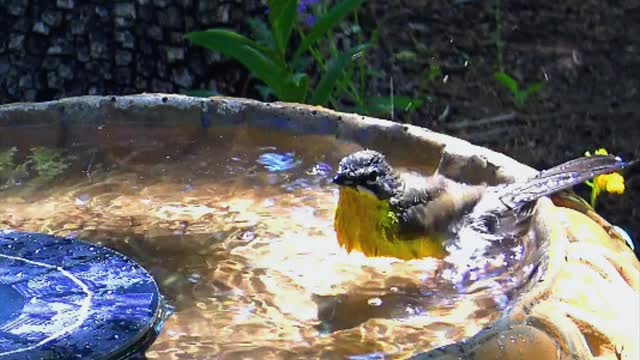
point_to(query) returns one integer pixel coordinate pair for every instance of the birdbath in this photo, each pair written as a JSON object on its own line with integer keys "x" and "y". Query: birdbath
{"x": 228, "y": 203}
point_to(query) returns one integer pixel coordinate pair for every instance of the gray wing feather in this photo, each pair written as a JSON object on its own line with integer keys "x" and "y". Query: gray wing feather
{"x": 507, "y": 207}
{"x": 558, "y": 178}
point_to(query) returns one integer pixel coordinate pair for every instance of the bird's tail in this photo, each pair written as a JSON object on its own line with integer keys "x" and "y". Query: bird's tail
{"x": 558, "y": 178}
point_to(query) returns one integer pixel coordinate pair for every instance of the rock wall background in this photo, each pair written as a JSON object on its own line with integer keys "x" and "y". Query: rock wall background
{"x": 57, "y": 48}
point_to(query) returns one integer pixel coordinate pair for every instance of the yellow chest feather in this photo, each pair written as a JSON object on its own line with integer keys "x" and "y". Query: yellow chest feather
{"x": 366, "y": 224}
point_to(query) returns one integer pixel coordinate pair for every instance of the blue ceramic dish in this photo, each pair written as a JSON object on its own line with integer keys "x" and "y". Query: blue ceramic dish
{"x": 67, "y": 299}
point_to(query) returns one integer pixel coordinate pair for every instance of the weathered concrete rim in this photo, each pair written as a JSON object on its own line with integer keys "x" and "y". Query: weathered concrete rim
{"x": 456, "y": 154}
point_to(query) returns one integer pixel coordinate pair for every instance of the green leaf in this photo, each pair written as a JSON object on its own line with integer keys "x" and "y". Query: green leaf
{"x": 247, "y": 52}
{"x": 297, "y": 88}
{"x": 434, "y": 72}
{"x": 234, "y": 36}
{"x": 324, "y": 24}
{"x": 261, "y": 33}
{"x": 335, "y": 66}
{"x": 406, "y": 56}
{"x": 534, "y": 88}
{"x": 282, "y": 16}
{"x": 523, "y": 96}
{"x": 265, "y": 92}
{"x": 508, "y": 82}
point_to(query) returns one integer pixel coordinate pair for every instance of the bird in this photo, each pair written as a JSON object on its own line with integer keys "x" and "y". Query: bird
{"x": 382, "y": 212}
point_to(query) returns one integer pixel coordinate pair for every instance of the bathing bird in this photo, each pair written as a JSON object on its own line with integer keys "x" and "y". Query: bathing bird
{"x": 382, "y": 212}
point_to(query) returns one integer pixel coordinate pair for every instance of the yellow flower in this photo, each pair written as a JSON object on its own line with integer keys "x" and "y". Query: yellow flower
{"x": 601, "y": 152}
{"x": 611, "y": 183}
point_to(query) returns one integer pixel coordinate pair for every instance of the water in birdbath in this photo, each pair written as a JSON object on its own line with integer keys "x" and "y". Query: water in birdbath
{"x": 237, "y": 228}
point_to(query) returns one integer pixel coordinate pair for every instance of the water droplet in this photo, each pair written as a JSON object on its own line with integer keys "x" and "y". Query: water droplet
{"x": 320, "y": 169}
{"x": 268, "y": 203}
{"x": 188, "y": 188}
{"x": 194, "y": 278}
{"x": 248, "y": 236}
{"x": 82, "y": 200}
{"x": 411, "y": 310}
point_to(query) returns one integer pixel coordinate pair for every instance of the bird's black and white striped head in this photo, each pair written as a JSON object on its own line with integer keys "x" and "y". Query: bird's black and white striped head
{"x": 367, "y": 170}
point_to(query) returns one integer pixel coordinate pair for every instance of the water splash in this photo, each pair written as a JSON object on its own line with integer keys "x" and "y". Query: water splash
{"x": 276, "y": 162}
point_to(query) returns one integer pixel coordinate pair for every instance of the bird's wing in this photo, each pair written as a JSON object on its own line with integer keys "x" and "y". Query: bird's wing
{"x": 556, "y": 179}
{"x": 434, "y": 204}
{"x": 507, "y": 207}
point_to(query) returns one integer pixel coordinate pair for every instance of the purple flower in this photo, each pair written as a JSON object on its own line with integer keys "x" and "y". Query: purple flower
{"x": 304, "y": 4}
{"x": 305, "y": 12}
{"x": 309, "y": 20}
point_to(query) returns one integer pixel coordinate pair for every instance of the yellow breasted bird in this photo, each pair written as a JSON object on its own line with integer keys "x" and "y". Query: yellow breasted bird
{"x": 382, "y": 212}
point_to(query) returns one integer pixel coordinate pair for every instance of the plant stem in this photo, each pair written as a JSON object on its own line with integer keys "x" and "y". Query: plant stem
{"x": 594, "y": 197}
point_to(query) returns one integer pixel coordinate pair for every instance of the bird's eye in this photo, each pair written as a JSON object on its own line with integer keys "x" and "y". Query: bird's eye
{"x": 372, "y": 177}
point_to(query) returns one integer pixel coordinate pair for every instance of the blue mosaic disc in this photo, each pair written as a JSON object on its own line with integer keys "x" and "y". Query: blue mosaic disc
{"x": 67, "y": 299}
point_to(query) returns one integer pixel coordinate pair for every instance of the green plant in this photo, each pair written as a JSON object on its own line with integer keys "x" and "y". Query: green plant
{"x": 44, "y": 162}
{"x": 428, "y": 78}
{"x": 316, "y": 71}
{"x": 266, "y": 57}
{"x": 47, "y": 163}
{"x": 520, "y": 97}
{"x": 7, "y": 162}
{"x": 10, "y": 172}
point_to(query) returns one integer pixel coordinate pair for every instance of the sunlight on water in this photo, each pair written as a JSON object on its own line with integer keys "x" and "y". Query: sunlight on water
{"x": 238, "y": 232}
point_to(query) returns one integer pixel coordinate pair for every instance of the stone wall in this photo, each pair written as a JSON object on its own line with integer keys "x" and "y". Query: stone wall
{"x": 57, "y": 48}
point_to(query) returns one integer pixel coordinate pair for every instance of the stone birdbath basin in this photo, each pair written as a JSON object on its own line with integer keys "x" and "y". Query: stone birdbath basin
{"x": 228, "y": 204}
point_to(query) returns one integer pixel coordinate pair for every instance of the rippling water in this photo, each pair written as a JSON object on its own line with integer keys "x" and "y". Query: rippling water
{"x": 237, "y": 230}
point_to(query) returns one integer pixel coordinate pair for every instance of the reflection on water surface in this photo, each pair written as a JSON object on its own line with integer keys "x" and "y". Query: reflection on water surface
{"x": 237, "y": 230}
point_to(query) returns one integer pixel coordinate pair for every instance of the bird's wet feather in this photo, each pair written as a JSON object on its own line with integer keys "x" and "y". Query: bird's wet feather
{"x": 366, "y": 224}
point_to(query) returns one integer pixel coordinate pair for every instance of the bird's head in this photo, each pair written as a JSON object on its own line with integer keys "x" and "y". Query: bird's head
{"x": 368, "y": 171}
